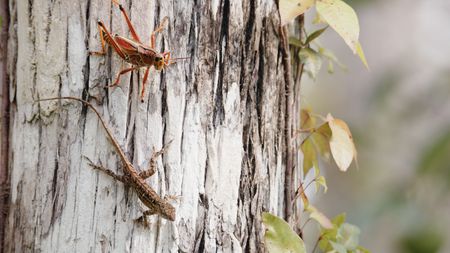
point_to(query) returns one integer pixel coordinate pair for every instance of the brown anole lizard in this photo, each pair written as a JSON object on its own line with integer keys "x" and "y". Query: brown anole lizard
{"x": 132, "y": 177}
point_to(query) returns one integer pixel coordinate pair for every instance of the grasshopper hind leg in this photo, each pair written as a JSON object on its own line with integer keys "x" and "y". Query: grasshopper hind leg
{"x": 102, "y": 39}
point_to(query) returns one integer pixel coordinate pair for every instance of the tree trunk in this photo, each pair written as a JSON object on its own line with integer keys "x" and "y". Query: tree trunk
{"x": 4, "y": 118}
{"x": 223, "y": 109}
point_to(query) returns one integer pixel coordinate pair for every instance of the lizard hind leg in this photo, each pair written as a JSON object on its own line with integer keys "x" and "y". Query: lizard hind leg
{"x": 107, "y": 171}
{"x": 143, "y": 218}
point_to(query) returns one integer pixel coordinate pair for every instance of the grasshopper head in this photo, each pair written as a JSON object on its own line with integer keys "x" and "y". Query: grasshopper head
{"x": 162, "y": 60}
{"x": 159, "y": 62}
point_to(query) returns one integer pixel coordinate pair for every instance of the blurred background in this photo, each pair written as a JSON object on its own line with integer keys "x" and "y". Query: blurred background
{"x": 399, "y": 114}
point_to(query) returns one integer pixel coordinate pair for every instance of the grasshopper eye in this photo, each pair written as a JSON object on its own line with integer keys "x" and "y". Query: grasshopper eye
{"x": 158, "y": 59}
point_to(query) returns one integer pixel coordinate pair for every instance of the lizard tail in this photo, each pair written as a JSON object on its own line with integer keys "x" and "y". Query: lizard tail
{"x": 92, "y": 108}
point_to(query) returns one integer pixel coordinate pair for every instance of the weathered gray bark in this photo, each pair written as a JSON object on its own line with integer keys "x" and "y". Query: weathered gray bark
{"x": 223, "y": 108}
{"x": 4, "y": 118}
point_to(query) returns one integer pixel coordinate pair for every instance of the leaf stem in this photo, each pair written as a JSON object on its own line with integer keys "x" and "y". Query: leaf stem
{"x": 306, "y": 223}
{"x": 301, "y": 190}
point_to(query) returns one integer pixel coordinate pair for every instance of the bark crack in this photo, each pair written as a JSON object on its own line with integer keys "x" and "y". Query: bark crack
{"x": 48, "y": 24}
{"x": 219, "y": 113}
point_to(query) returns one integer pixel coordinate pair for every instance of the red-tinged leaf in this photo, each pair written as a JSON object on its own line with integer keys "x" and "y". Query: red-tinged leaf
{"x": 319, "y": 217}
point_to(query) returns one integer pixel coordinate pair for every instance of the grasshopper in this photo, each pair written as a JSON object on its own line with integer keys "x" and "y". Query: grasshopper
{"x": 133, "y": 50}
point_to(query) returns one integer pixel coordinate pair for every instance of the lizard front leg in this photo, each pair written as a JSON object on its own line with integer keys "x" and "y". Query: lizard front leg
{"x": 152, "y": 164}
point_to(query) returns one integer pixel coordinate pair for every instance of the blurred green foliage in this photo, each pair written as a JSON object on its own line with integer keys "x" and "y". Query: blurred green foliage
{"x": 426, "y": 240}
{"x": 436, "y": 158}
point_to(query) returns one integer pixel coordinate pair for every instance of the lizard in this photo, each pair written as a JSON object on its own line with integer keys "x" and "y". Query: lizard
{"x": 131, "y": 176}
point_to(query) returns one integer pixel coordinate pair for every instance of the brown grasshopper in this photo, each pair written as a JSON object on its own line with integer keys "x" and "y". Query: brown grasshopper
{"x": 133, "y": 50}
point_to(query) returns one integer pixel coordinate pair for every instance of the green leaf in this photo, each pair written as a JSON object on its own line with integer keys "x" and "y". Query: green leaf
{"x": 329, "y": 235}
{"x": 314, "y": 35}
{"x": 279, "y": 237}
{"x": 328, "y": 54}
{"x": 348, "y": 236}
{"x": 362, "y": 250}
{"x": 320, "y": 181}
{"x": 290, "y": 9}
{"x": 311, "y": 60}
{"x": 343, "y": 19}
{"x": 339, "y": 219}
{"x": 309, "y": 156}
{"x": 342, "y": 237}
{"x": 296, "y": 42}
{"x": 338, "y": 247}
{"x": 435, "y": 159}
{"x": 330, "y": 67}
{"x": 326, "y": 239}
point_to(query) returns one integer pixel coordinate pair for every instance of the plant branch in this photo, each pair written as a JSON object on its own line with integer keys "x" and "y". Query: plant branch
{"x": 289, "y": 147}
{"x": 301, "y": 191}
{"x": 299, "y": 71}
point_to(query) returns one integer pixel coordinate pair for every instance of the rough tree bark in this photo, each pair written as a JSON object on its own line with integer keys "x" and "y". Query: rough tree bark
{"x": 224, "y": 109}
{"x": 4, "y": 117}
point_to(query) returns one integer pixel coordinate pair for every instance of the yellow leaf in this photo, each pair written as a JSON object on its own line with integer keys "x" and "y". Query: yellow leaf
{"x": 319, "y": 217}
{"x": 361, "y": 55}
{"x": 318, "y": 20}
{"x": 320, "y": 181}
{"x": 342, "y": 18}
{"x": 328, "y": 54}
{"x": 321, "y": 139}
{"x": 309, "y": 155}
{"x": 307, "y": 121}
{"x": 341, "y": 143}
{"x": 290, "y": 9}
